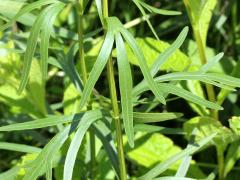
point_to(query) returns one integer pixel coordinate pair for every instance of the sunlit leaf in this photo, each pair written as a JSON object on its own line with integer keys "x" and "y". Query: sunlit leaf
{"x": 125, "y": 82}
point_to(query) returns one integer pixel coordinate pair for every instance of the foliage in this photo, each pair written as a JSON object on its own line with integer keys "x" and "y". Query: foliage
{"x": 164, "y": 102}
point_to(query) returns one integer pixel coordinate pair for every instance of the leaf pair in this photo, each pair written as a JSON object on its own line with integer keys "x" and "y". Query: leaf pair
{"x": 43, "y": 22}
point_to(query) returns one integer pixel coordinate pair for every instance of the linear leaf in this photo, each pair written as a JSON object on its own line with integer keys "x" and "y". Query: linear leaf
{"x": 27, "y": 9}
{"x": 99, "y": 9}
{"x": 143, "y": 66}
{"x": 67, "y": 64}
{"x": 19, "y": 147}
{"x": 209, "y": 78}
{"x": 170, "y": 88}
{"x": 104, "y": 134}
{"x": 160, "y": 168}
{"x": 74, "y": 147}
{"x": 32, "y": 42}
{"x": 163, "y": 57}
{"x": 185, "y": 164}
{"x": 163, "y": 130}
{"x": 211, "y": 62}
{"x": 225, "y": 79}
{"x": 51, "y": 121}
{"x": 154, "y": 117}
{"x": 45, "y": 37}
{"x": 10, "y": 174}
{"x": 146, "y": 18}
{"x": 159, "y": 11}
{"x": 98, "y": 67}
{"x": 38, "y": 166}
{"x": 49, "y": 170}
{"x": 125, "y": 83}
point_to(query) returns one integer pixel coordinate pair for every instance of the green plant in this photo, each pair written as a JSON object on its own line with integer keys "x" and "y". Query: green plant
{"x": 88, "y": 124}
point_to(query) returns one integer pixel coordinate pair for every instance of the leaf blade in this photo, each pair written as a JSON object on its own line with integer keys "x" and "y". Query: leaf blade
{"x": 125, "y": 82}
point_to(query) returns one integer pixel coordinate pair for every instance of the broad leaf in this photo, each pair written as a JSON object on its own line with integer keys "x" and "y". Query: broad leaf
{"x": 207, "y": 126}
{"x": 170, "y": 58}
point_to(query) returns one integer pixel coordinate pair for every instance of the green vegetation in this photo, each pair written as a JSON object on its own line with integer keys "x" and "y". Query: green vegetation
{"x": 99, "y": 89}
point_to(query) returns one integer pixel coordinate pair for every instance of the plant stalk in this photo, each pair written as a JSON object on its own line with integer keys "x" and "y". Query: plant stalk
{"x": 84, "y": 78}
{"x": 220, "y": 157}
{"x": 116, "y": 117}
{"x": 209, "y": 87}
{"x": 212, "y": 98}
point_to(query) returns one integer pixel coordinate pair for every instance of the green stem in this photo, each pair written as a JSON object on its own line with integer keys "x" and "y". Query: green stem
{"x": 212, "y": 98}
{"x": 209, "y": 87}
{"x": 80, "y": 43}
{"x": 84, "y": 78}
{"x": 113, "y": 94}
{"x": 220, "y": 157}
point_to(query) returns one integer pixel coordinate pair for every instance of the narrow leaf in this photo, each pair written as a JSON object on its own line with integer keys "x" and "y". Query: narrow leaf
{"x": 19, "y": 147}
{"x": 74, "y": 147}
{"x": 125, "y": 83}
{"x": 143, "y": 66}
{"x": 45, "y": 37}
{"x": 211, "y": 62}
{"x": 97, "y": 68}
{"x": 26, "y": 9}
{"x": 67, "y": 64}
{"x": 163, "y": 57}
{"x": 32, "y": 42}
{"x": 160, "y": 168}
{"x": 163, "y": 130}
{"x": 170, "y": 88}
{"x": 35, "y": 168}
{"x": 159, "y": 11}
{"x": 154, "y": 117}
{"x": 104, "y": 134}
{"x": 99, "y": 9}
{"x": 146, "y": 18}
{"x": 51, "y": 121}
